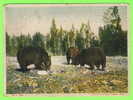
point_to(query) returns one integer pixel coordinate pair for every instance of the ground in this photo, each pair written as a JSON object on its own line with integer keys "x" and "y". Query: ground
{"x": 65, "y": 78}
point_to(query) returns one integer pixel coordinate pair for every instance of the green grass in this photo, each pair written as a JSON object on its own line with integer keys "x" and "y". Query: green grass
{"x": 71, "y": 80}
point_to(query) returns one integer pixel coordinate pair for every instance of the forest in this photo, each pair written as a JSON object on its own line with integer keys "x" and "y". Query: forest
{"x": 111, "y": 37}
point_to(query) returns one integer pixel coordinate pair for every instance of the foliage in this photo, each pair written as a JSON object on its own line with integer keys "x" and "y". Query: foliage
{"x": 112, "y": 38}
{"x": 38, "y": 40}
{"x": 56, "y": 42}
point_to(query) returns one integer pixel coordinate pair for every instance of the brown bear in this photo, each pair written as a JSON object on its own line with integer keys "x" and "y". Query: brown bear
{"x": 71, "y": 52}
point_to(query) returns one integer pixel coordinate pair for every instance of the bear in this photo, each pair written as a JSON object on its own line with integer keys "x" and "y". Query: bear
{"x": 33, "y": 55}
{"x": 71, "y": 52}
{"x": 91, "y": 56}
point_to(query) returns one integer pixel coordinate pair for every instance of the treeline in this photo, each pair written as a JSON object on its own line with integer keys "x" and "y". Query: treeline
{"x": 111, "y": 38}
{"x": 56, "y": 42}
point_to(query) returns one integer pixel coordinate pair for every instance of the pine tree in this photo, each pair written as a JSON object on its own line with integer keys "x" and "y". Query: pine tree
{"x": 113, "y": 38}
{"x": 38, "y": 40}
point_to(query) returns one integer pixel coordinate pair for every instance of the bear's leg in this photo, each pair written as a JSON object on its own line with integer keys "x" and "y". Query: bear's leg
{"x": 23, "y": 68}
{"x": 103, "y": 66}
{"x": 68, "y": 60}
{"x": 37, "y": 66}
{"x": 91, "y": 67}
{"x": 82, "y": 64}
{"x": 98, "y": 67}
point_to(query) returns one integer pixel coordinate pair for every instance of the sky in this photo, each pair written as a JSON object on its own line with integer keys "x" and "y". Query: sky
{"x": 24, "y": 19}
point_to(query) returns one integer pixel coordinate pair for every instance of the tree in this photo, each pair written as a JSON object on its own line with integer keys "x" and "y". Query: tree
{"x": 90, "y": 37}
{"x": 62, "y": 46}
{"x": 79, "y": 40}
{"x": 38, "y": 40}
{"x": 112, "y": 38}
{"x": 53, "y": 37}
{"x": 8, "y": 45}
{"x": 72, "y": 37}
{"x": 94, "y": 42}
{"x": 65, "y": 42}
{"x": 13, "y": 46}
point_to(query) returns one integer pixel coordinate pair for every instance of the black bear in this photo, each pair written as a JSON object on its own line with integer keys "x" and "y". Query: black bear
{"x": 33, "y": 55}
{"x": 91, "y": 56}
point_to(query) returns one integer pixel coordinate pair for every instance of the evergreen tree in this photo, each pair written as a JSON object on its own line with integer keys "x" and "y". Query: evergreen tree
{"x": 38, "y": 40}
{"x": 53, "y": 39}
{"x": 8, "y": 45}
{"x": 113, "y": 38}
{"x": 79, "y": 40}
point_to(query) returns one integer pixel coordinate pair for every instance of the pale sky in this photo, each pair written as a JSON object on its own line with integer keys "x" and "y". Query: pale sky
{"x": 37, "y": 18}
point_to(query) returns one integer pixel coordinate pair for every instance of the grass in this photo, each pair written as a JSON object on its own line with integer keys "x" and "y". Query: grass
{"x": 70, "y": 80}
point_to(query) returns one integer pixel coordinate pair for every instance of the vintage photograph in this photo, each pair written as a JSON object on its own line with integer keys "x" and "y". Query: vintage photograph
{"x": 66, "y": 49}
